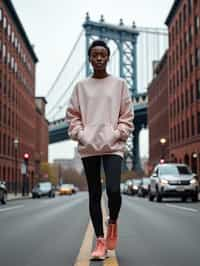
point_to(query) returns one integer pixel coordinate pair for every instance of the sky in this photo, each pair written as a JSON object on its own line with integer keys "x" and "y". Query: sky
{"x": 53, "y": 26}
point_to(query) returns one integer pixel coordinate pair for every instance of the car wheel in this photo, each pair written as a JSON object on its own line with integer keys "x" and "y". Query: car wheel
{"x": 195, "y": 198}
{"x": 158, "y": 197}
{"x": 4, "y": 198}
{"x": 183, "y": 199}
{"x": 151, "y": 197}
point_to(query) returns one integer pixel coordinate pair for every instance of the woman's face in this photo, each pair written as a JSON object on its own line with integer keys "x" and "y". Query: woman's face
{"x": 99, "y": 58}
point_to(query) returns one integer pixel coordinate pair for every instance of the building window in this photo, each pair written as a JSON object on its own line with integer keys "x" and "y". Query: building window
{"x": 184, "y": 13}
{"x": 8, "y": 58}
{"x": 196, "y": 24}
{"x": 12, "y": 62}
{"x": 179, "y": 133}
{"x": 12, "y": 37}
{"x": 198, "y": 89}
{"x": 182, "y": 102}
{"x": 180, "y": 21}
{"x": 4, "y": 50}
{"x": 9, "y": 30}
{"x": 187, "y": 128}
{"x": 198, "y": 122}
{"x": 197, "y": 57}
{"x": 1, "y": 14}
{"x": 191, "y": 62}
{"x": 4, "y": 22}
{"x": 192, "y": 94}
{"x": 190, "y": 33}
{"x": 192, "y": 125}
{"x": 183, "y": 130}
{"x": 189, "y": 6}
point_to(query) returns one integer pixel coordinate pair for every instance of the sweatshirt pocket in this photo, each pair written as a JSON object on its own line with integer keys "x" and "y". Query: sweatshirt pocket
{"x": 99, "y": 137}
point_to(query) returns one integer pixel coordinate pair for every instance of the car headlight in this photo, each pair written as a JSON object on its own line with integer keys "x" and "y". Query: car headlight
{"x": 164, "y": 181}
{"x": 135, "y": 187}
{"x": 193, "y": 181}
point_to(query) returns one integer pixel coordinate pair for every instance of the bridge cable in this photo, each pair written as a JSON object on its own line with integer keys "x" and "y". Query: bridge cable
{"x": 66, "y": 62}
{"x": 70, "y": 85}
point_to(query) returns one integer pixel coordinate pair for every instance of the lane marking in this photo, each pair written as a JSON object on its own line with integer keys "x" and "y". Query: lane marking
{"x": 11, "y": 208}
{"x": 181, "y": 208}
{"x": 112, "y": 259}
{"x": 83, "y": 259}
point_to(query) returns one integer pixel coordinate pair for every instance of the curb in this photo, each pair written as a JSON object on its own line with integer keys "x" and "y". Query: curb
{"x": 19, "y": 198}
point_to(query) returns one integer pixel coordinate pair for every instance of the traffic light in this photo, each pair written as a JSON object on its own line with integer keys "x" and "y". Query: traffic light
{"x": 26, "y": 158}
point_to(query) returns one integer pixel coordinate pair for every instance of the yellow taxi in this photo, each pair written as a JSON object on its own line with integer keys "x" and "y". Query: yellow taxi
{"x": 66, "y": 189}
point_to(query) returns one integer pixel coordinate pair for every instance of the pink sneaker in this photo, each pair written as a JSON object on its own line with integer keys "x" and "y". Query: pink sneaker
{"x": 112, "y": 236}
{"x": 100, "y": 250}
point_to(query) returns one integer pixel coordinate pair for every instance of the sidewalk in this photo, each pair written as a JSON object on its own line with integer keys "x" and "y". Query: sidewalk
{"x": 12, "y": 196}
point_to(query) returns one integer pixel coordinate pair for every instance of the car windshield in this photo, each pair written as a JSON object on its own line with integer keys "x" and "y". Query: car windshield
{"x": 174, "y": 170}
{"x": 66, "y": 186}
{"x": 137, "y": 182}
{"x": 145, "y": 181}
{"x": 45, "y": 185}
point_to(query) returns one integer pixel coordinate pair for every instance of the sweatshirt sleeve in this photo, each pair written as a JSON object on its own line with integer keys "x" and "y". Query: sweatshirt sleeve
{"x": 126, "y": 115}
{"x": 73, "y": 116}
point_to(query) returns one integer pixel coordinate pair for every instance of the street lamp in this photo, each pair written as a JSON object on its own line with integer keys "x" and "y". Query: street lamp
{"x": 16, "y": 144}
{"x": 162, "y": 142}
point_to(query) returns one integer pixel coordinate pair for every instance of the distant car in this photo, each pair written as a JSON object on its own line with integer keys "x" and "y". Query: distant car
{"x": 144, "y": 187}
{"x": 173, "y": 180}
{"x": 66, "y": 189}
{"x": 128, "y": 187}
{"x": 3, "y": 192}
{"x": 43, "y": 189}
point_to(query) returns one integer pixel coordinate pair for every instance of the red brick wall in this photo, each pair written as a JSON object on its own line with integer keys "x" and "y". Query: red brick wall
{"x": 17, "y": 99}
{"x": 158, "y": 113}
{"x": 184, "y": 75}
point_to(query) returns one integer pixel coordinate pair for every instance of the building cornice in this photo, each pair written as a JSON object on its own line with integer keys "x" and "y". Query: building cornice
{"x": 13, "y": 13}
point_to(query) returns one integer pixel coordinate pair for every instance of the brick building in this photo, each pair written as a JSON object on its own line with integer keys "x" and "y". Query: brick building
{"x": 20, "y": 120}
{"x": 158, "y": 112}
{"x": 183, "y": 24}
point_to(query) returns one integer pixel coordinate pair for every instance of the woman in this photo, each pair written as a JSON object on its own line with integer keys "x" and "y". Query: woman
{"x": 100, "y": 118}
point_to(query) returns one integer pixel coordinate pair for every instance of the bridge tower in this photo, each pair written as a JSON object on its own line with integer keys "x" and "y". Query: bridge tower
{"x": 125, "y": 39}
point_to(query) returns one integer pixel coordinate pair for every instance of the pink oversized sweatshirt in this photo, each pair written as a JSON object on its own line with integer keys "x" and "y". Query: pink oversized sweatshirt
{"x": 100, "y": 116}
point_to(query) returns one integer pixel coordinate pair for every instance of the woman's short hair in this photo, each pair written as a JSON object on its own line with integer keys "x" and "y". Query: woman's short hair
{"x": 98, "y": 43}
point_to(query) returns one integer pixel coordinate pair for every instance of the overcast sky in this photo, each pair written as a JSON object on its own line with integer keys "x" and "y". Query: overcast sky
{"x": 53, "y": 26}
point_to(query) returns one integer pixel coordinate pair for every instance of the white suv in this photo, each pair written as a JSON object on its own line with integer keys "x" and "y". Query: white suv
{"x": 173, "y": 180}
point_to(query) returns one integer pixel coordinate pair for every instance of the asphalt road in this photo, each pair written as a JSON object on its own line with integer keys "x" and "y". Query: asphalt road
{"x": 57, "y": 232}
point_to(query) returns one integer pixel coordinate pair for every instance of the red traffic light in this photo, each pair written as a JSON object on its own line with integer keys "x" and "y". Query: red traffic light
{"x": 26, "y": 156}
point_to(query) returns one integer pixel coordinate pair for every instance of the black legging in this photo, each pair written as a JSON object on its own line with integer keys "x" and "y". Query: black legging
{"x": 112, "y": 169}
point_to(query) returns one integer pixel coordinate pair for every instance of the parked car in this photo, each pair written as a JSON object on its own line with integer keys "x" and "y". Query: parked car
{"x": 173, "y": 180}
{"x": 43, "y": 189}
{"x": 3, "y": 192}
{"x": 128, "y": 187}
{"x": 144, "y": 187}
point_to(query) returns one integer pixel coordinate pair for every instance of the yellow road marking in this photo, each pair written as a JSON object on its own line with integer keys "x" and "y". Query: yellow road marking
{"x": 83, "y": 258}
{"x": 112, "y": 259}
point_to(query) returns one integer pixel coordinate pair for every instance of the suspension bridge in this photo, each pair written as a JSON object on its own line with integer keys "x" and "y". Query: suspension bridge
{"x": 134, "y": 51}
